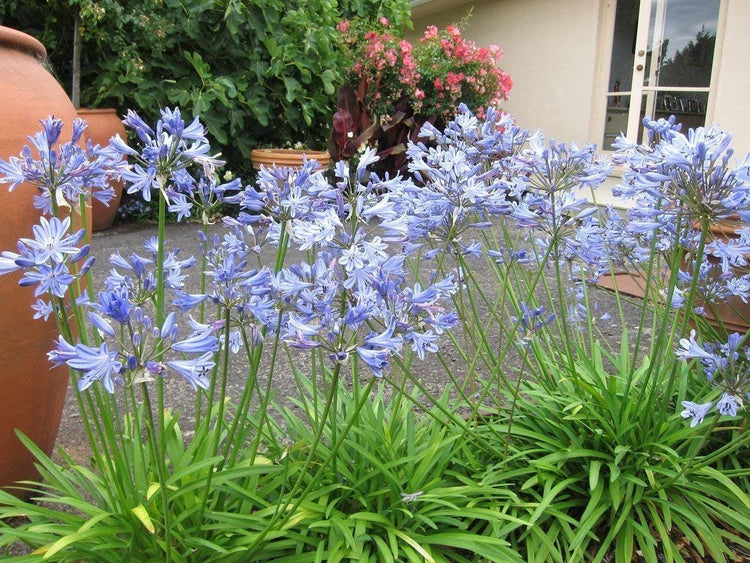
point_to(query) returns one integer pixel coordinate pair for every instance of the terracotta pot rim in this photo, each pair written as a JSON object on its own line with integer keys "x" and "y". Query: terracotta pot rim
{"x": 22, "y": 42}
{"x": 98, "y": 111}
{"x": 300, "y": 152}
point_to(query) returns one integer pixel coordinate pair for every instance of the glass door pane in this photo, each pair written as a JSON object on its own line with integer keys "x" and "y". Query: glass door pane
{"x": 682, "y": 35}
{"x": 621, "y": 71}
{"x": 662, "y": 56}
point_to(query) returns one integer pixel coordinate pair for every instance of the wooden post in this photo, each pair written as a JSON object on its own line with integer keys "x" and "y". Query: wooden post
{"x": 76, "y": 87}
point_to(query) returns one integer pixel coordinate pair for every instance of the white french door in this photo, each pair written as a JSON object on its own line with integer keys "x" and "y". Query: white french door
{"x": 661, "y": 64}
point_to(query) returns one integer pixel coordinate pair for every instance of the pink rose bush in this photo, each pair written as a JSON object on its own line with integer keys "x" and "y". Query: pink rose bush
{"x": 432, "y": 77}
{"x": 392, "y": 87}
{"x": 453, "y": 70}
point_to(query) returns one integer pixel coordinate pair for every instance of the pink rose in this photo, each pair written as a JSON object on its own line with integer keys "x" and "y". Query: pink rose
{"x": 496, "y": 51}
{"x": 430, "y": 33}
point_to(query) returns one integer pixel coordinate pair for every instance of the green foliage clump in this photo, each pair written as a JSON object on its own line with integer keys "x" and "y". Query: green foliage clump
{"x": 603, "y": 467}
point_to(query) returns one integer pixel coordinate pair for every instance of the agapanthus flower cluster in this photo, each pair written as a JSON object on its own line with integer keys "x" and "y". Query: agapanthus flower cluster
{"x": 289, "y": 199}
{"x": 353, "y": 297}
{"x": 132, "y": 352}
{"x": 457, "y": 188}
{"x": 134, "y": 343}
{"x": 367, "y": 308}
{"x": 479, "y": 169}
{"x": 682, "y": 186}
{"x": 206, "y": 194}
{"x": 531, "y": 321}
{"x": 680, "y": 181}
{"x": 556, "y": 207}
{"x": 49, "y": 261}
{"x": 167, "y": 154}
{"x": 727, "y": 367}
{"x": 64, "y": 173}
{"x": 238, "y": 285}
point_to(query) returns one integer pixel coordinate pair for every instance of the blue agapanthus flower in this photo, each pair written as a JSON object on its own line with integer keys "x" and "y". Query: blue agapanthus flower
{"x": 96, "y": 364}
{"x": 727, "y": 367}
{"x": 46, "y": 260}
{"x": 63, "y": 172}
{"x": 164, "y": 158}
{"x": 680, "y": 186}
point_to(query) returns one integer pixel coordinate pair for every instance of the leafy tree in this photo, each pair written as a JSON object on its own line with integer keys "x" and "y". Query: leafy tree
{"x": 691, "y": 65}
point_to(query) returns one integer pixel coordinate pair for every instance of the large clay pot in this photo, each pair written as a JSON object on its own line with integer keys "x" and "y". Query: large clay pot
{"x": 31, "y": 395}
{"x": 103, "y": 124}
{"x": 292, "y": 158}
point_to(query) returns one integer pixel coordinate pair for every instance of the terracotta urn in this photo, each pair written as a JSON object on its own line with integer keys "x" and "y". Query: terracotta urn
{"x": 292, "y": 158}
{"x": 32, "y": 395}
{"x": 103, "y": 124}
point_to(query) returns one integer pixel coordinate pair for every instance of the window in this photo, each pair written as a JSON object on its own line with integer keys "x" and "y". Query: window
{"x": 660, "y": 65}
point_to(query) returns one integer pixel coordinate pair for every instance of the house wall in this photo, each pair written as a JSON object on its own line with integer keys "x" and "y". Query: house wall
{"x": 731, "y": 107}
{"x": 550, "y": 53}
{"x": 556, "y": 51}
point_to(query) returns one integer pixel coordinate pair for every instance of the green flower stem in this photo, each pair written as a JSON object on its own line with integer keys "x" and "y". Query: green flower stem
{"x": 160, "y": 286}
{"x": 102, "y": 437}
{"x": 665, "y": 339}
{"x": 235, "y": 438}
{"x": 266, "y": 396}
{"x": 649, "y": 292}
{"x": 451, "y": 415}
{"x": 224, "y": 376}
{"x": 157, "y": 434}
{"x": 211, "y": 393}
{"x": 156, "y": 444}
{"x": 63, "y": 327}
{"x": 202, "y": 317}
{"x": 218, "y": 427}
{"x": 725, "y": 450}
{"x": 514, "y": 402}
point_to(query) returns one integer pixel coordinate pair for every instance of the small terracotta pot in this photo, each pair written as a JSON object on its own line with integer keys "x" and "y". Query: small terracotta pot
{"x": 103, "y": 124}
{"x": 31, "y": 394}
{"x": 734, "y": 314}
{"x": 292, "y": 158}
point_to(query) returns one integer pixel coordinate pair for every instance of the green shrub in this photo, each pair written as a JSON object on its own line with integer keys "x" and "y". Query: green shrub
{"x": 258, "y": 72}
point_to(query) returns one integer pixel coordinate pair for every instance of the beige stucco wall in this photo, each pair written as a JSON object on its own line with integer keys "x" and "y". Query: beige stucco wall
{"x": 550, "y": 52}
{"x": 552, "y": 48}
{"x": 731, "y": 107}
